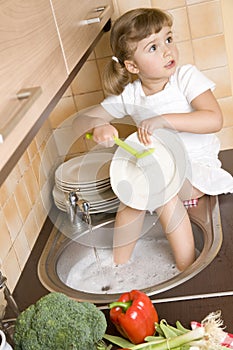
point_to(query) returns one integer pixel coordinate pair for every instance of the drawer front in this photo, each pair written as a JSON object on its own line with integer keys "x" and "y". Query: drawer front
{"x": 30, "y": 57}
{"x": 79, "y": 24}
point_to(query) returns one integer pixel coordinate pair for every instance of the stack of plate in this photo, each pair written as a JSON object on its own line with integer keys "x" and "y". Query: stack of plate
{"x": 87, "y": 175}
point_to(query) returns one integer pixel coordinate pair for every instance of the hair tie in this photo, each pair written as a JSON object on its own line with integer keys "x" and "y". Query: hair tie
{"x": 114, "y": 58}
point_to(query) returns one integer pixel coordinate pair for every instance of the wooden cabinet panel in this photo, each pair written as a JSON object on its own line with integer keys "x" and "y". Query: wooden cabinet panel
{"x": 79, "y": 23}
{"x": 41, "y": 42}
{"x": 30, "y": 56}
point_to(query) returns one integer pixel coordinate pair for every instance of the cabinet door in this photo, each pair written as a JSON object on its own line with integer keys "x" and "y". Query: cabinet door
{"x": 30, "y": 57}
{"x": 79, "y": 23}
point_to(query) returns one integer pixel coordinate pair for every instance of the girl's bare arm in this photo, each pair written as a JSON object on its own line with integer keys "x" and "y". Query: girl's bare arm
{"x": 206, "y": 118}
{"x": 97, "y": 121}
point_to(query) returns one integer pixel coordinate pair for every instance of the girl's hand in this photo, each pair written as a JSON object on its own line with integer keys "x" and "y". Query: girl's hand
{"x": 147, "y": 127}
{"x": 104, "y": 134}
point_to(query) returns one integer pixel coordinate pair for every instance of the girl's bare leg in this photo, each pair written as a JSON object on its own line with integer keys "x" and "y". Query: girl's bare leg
{"x": 128, "y": 226}
{"x": 189, "y": 192}
{"x": 177, "y": 227}
{"x": 175, "y": 222}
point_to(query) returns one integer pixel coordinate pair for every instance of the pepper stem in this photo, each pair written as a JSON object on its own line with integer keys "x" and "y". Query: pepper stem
{"x": 123, "y": 304}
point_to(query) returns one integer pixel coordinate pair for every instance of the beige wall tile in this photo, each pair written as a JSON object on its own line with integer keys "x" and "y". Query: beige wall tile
{"x": 53, "y": 158}
{"x": 31, "y": 185}
{"x": 89, "y": 99}
{"x": 168, "y": 4}
{"x": 87, "y": 79}
{"x": 63, "y": 110}
{"x": 221, "y": 77}
{"x": 22, "y": 249}
{"x": 22, "y": 200}
{"x": 12, "y": 217}
{"x": 91, "y": 57}
{"x": 24, "y": 162}
{"x": 68, "y": 92}
{"x": 11, "y": 269}
{"x": 116, "y": 12}
{"x": 46, "y": 161}
{"x": 125, "y": 6}
{"x": 226, "y": 138}
{"x": 43, "y": 133}
{"x": 8, "y": 187}
{"x": 185, "y": 52}
{"x": 5, "y": 238}
{"x": 190, "y": 2}
{"x": 79, "y": 146}
{"x": 226, "y": 105}
{"x": 40, "y": 210}
{"x": 103, "y": 48}
{"x": 31, "y": 229}
{"x": 45, "y": 202}
{"x": 4, "y": 194}
{"x": 65, "y": 138}
{"x": 209, "y": 52}
{"x": 198, "y": 14}
{"x": 227, "y": 10}
{"x": 32, "y": 149}
{"x": 180, "y": 24}
{"x": 38, "y": 170}
{"x": 102, "y": 63}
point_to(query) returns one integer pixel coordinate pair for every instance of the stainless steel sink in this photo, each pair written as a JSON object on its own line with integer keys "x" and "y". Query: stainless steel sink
{"x": 65, "y": 248}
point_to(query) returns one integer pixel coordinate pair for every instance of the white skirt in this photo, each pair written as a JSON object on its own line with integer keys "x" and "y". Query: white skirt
{"x": 204, "y": 169}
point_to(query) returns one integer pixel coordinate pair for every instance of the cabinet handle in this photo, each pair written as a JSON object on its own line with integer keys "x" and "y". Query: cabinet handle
{"x": 101, "y": 9}
{"x": 27, "y": 98}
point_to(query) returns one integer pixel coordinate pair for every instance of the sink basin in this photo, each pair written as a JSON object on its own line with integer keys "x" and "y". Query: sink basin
{"x": 78, "y": 263}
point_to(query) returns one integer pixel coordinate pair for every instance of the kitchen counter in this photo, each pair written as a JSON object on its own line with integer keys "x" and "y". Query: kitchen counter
{"x": 215, "y": 278}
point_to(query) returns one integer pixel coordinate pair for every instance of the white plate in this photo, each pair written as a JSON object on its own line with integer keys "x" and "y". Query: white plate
{"x": 92, "y": 184}
{"x": 83, "y": 190}
{"x": 87, "y": 169}
{"x": 108, "y": 208}
{"x": 152, "y": 182}
{"x": 97, "y": 198}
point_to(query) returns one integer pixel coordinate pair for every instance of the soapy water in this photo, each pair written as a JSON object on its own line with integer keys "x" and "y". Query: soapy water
{"x": 151, "y": 263}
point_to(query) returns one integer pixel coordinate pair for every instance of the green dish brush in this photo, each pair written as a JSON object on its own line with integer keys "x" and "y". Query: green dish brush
{"x": 141, "y": 157}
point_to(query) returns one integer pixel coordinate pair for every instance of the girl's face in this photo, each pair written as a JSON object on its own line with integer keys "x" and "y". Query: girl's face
{"x": 155, "y": 58}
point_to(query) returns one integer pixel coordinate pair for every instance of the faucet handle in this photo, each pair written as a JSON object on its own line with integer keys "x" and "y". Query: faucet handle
{"x": 83, "y": 205}
{"x": 73, "y": 198}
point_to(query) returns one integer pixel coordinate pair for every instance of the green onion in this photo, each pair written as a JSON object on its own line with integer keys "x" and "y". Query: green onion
{"x": 171, "y": 343}
{"x": 206, "y": 337}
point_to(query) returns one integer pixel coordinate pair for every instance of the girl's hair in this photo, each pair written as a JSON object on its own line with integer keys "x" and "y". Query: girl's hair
{"x": 126, "y": 32}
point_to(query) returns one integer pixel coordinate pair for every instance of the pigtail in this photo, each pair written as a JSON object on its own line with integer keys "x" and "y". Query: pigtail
{"x": 115, "y": 77}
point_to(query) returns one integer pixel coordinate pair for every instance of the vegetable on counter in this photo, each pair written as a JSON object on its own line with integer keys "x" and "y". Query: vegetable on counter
{"x": 209, "y": 336}
{"x": 56, "y": 322}
{"x": 134, "y": 316}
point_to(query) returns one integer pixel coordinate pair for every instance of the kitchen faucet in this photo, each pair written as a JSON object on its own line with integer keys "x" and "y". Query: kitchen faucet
{"x": 78, "y": 210}
{"x": 8, "y": 296}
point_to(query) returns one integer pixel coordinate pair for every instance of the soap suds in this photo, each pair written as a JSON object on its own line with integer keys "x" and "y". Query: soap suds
{"x": 151, "y": 263}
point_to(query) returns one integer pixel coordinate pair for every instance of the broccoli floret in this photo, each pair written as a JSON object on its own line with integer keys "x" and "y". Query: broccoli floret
{"x": 57, "y": 322}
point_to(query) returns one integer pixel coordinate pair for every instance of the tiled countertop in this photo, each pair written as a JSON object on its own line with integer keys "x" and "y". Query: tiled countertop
{"x": 217, "y": 277}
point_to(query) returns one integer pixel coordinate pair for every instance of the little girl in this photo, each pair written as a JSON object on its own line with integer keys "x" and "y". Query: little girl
{"x": 171, "y": 96}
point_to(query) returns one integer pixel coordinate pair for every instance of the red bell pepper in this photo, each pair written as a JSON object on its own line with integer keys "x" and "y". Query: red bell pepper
{"x": 134, "y": 316}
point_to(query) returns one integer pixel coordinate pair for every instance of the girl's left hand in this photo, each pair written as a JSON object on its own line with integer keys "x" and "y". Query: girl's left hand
{"x": 147, "y": 127}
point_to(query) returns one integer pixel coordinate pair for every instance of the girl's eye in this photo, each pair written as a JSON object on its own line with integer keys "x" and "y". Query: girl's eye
{"x": 152, "y": 48}
{"x": 169, "y": 40}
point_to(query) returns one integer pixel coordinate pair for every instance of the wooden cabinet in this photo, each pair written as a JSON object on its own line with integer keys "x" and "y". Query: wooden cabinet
{"x": 41, "y": 42}
{"x": 30, "y": 57}
{"x": 79, "y": 23}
